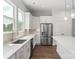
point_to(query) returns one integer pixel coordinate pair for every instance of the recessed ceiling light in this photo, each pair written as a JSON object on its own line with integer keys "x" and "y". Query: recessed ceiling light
{"x": 73, "y": 15}
{"x": 65, "y": 18}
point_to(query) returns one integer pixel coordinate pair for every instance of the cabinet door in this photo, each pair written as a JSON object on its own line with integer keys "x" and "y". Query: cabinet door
{"x": 12, "y": 57}
{"x": 34, "y": 41}
{"x": 37, "y": 39}
{"x": 28, "y": 20}
{"x": 27, "y": 50}
{"x": 20, "y": 54}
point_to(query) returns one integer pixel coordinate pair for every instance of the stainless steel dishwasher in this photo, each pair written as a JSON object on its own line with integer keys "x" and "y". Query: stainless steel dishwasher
{"x": 31, "y": 47}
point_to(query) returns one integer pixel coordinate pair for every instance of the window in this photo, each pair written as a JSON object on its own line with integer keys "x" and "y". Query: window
{"x": 7, "y": 17}
{"x": 20, "y": 20}
{"x": 13, "y": 20}
{"x": 20, "y": 23}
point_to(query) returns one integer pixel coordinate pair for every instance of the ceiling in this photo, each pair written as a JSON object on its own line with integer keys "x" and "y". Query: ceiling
{"x": 48, "y": 5}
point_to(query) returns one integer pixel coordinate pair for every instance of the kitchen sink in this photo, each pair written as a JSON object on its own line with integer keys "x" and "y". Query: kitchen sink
{"x": 18, "y": 42}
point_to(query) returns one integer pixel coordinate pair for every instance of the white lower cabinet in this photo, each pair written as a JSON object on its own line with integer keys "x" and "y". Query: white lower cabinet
{"x": 37, "y": 39}
{"x": 20, "y": 54}
{"x": 24, "y": 52}
{"x": 34, "y": 41}
{"x": 12, "y": 57}
{"x": 27, "y": 50}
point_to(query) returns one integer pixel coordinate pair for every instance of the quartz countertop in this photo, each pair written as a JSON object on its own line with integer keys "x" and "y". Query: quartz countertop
{"x": 9, "y": 49}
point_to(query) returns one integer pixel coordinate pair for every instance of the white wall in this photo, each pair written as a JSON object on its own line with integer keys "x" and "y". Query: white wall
{"x": 59, "y": 24}
{"x": 35, "y": 22}
{"x": 62, "y": 26}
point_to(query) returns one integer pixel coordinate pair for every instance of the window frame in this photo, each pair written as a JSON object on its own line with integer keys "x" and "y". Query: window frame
{"x": 13, "y": 6}
{"x": 15, "y": 20}
{"x": 19, "y": 10}
{"x": 19, "y": 31}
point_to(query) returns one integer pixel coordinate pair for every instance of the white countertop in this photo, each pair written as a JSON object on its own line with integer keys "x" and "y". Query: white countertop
{"x": 10, "y": 49}
{"x": 67, "y": 42}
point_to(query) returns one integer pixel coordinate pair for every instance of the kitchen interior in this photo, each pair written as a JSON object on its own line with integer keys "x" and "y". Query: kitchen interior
{"x": 39, "y": 29}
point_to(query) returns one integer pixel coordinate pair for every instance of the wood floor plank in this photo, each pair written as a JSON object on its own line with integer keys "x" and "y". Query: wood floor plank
{"x": 45, "y": 52}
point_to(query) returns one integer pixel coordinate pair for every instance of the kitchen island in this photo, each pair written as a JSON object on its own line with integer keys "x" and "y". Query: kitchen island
{"x": 65, "y": 46}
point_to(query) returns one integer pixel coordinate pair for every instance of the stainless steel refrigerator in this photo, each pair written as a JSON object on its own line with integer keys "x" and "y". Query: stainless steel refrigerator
{"x": 46, "y": 33}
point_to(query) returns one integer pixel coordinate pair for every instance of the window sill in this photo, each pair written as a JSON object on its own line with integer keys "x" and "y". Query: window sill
{"x": 7, "y": 32}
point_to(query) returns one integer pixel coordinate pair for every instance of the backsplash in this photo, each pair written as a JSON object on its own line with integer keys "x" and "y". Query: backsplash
{"x": 30, "y": 31}
{"x": 7, "y": 37}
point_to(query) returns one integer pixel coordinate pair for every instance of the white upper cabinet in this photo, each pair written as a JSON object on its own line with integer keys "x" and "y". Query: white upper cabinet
{"x": 46, "y": 19}
{"x": 28, "y": 20}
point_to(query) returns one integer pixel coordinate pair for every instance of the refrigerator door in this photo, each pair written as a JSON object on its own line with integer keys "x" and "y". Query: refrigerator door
{"x": 46, "y": 33}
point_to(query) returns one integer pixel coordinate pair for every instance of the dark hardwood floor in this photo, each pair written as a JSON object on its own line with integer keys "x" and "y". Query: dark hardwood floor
{"x": 45, "y": 52}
